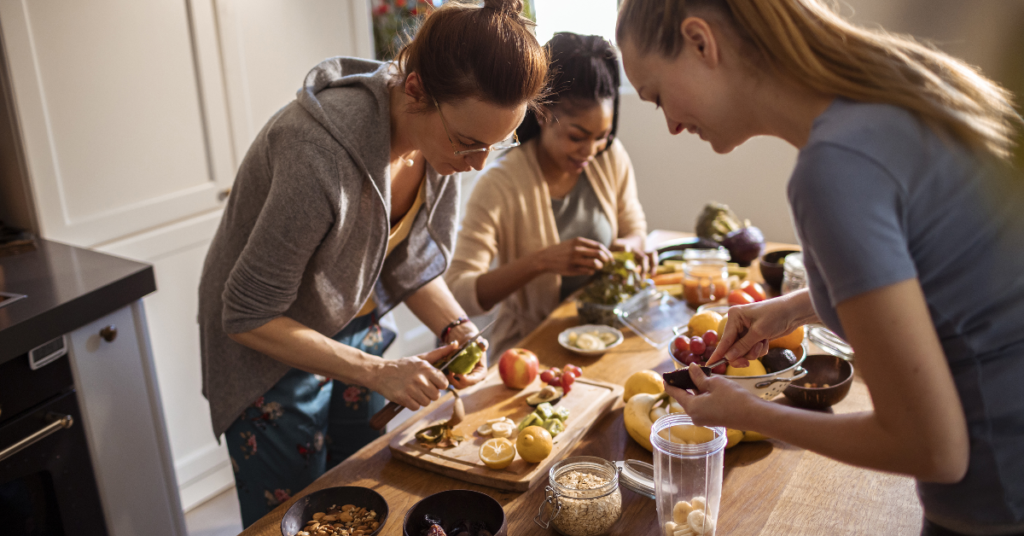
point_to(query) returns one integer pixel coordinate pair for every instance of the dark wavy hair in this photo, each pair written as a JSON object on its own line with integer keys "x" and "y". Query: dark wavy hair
{"x": 584, "y": 70}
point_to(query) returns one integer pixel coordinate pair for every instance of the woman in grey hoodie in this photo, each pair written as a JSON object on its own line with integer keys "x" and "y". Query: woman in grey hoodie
{"x": 344, "y": 207}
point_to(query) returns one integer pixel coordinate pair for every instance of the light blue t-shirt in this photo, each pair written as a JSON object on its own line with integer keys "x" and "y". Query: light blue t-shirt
{"x": 878, "y": 198}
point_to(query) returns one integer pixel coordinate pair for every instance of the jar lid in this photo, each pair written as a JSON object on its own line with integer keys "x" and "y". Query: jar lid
{"x": 719, "y": 253}
{"x": 637, "y": 476}
{"x": 794, "y": 263}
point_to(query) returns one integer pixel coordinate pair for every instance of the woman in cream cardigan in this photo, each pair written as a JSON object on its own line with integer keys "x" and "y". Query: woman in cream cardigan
{"x": 551, "y": 210}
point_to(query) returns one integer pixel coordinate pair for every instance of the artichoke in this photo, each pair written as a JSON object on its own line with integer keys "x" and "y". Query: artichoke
{"x": 716, "y": 221}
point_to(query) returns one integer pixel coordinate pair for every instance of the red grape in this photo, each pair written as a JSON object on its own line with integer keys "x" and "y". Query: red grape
{"x": 567, "y": 381}
{"x": 573, "y": 370}
{"x": 681, "y": 345}
{"x": 547, "y": 377}
{"x": 710, "y": 337}
{"x": 697, "y": 346}
{"x": 720, "y": 369}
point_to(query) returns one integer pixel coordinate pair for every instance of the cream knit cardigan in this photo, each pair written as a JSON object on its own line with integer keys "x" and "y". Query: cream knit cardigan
{"x": 509, "y": 216}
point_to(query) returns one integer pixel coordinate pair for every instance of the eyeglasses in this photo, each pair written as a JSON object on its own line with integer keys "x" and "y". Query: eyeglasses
{"x": 501, "y": 145}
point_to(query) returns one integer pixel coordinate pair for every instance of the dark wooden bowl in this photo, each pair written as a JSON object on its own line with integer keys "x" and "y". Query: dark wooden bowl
{"x": 452, "y": 507}
{"x": 821, "y": 369}
{"x": 771, "y": 268}
{"x": 319, "y": 501}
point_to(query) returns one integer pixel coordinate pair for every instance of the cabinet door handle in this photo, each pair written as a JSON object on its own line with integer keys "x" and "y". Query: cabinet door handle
{"x": 223, "y": 194}
{"x": 109, "y": 333}
{"x": 58, "y": 422}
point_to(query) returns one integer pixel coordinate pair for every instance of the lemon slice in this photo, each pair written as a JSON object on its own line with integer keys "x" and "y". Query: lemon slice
{"x": 497, "y": 453}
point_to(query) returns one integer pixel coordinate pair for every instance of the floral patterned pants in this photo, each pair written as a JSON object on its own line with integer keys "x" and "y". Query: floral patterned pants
{"x": 301, "y": 427}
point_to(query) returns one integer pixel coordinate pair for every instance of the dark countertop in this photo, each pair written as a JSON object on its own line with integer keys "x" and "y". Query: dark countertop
{"x": 66, "y": 287}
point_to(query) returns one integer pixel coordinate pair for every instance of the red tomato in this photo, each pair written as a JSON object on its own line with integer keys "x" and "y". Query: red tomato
{"x": 738, "y": 297}
{"x": 754, "y": 290}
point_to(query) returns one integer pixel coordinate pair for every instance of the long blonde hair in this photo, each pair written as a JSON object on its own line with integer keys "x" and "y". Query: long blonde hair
{"x": 808, "y": 41}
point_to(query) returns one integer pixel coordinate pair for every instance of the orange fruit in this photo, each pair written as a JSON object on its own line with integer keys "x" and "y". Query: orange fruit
{"x": 497, "y": 453}
{"x": 790, "y": 342}
{"x": 533, "y": 444}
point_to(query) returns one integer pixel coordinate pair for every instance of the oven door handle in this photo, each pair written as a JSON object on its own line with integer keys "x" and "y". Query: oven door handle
{"x": 58, "y": 422}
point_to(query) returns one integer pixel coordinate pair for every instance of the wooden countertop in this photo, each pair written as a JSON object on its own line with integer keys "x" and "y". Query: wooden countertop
{"x": 769, "y": 488}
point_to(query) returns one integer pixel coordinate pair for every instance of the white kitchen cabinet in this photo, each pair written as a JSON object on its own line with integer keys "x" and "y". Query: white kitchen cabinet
{"x": 123, "y": 422}
{"x": 268, "y": 46}
{"x": 120, "y": 123}
{"x": 176, "y": 252}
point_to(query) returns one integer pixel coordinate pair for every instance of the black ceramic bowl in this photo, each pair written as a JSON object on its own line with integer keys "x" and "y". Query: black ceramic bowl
{"x": 452, "y": 507}
{"x": 822, "y": 369}
{"x": 319, "y": 501}
{"x": 771, "y": 267}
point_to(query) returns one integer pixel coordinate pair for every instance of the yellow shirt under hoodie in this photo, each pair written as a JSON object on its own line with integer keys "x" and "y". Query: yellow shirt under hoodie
{"x": 398, "y": 233}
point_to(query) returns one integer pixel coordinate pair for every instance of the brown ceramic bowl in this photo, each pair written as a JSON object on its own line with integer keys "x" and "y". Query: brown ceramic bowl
{"x": 453, "y": 508}
{"x": 319, "y": 501}
{"x": 771, "y": 267}
{"x": 822, "y": 369}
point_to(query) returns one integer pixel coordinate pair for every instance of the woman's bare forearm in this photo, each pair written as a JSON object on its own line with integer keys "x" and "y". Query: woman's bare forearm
{"x": 301, "y": 347}
{"x": 801, "y": 308}
{"x": 499, "y": 283}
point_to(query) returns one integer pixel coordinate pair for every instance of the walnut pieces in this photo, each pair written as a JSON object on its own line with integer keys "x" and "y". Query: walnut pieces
{"x": 349, "y": 520}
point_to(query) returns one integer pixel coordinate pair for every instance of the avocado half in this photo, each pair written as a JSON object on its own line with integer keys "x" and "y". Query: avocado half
{"x": 545, "y": 395}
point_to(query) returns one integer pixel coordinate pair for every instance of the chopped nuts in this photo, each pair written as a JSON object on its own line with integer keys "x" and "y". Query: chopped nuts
{"x": 349, "y": 520}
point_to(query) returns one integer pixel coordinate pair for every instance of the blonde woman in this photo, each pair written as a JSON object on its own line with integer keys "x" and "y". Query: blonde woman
{"x": 912, "y": 229}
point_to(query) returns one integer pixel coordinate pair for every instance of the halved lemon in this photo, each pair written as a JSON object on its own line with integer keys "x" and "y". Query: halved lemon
{"x": 497, "y": 453}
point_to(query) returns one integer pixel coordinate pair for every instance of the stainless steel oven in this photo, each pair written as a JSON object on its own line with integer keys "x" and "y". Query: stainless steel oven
{"x": 47, "y": 484}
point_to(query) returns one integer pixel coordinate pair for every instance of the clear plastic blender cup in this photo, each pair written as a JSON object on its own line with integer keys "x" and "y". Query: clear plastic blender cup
{"x": 688, "y": 470}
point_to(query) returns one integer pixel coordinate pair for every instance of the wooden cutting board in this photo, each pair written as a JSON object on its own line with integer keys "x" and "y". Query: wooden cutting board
{"x": 587, "y": 401}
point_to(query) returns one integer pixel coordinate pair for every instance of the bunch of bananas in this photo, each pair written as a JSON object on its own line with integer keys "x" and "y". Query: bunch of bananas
{"x": 643, "y": 409}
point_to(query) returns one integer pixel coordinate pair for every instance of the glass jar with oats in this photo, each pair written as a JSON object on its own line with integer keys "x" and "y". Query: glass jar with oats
{"x": 583, "y": 497}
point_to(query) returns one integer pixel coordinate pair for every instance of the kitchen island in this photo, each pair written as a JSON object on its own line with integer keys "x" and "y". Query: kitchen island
{"x": 769, "y": 488}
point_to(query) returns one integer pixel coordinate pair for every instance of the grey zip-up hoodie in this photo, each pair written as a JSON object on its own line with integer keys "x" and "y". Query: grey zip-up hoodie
{"x": 305, "y": 230}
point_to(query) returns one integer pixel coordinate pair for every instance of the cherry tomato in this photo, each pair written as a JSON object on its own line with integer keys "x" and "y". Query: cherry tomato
{"x": 681, "y": 345}
{"x": 710, "y": 337}
{"x": 755, "y": 290}
{"x": 697, "y": 346}
{"x": 738, "y": 297}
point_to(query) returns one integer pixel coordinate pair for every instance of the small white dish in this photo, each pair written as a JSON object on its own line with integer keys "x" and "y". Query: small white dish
{"x": 563, "y": 338}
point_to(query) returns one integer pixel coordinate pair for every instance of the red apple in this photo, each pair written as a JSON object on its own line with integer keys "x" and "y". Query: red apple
{"x": 518, "y": 368}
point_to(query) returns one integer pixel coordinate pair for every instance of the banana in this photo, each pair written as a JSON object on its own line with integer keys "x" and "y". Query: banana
{"x": 753, "y": 436}
{"x": 657, "y": 413}
{"x": 643, "y": 409}
{"x": 637, "y": 417}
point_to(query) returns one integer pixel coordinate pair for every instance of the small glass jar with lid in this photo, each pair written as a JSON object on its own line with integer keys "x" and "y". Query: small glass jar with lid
{"x": 582, "y": 497}
{"x": 794, "y": 276}
{"x": 705, "y": 281}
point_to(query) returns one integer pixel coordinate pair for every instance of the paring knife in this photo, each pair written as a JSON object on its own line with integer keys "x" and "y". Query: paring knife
{"x": 392, "y": 409}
